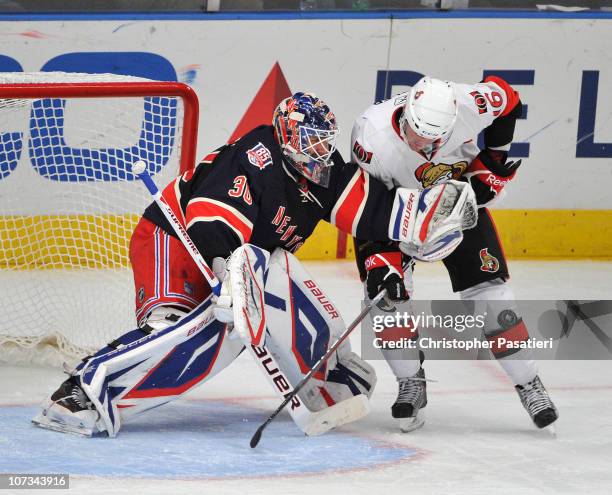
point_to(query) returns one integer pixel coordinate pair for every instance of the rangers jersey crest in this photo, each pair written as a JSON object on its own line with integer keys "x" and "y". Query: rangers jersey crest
{"x": 259, "y": 156}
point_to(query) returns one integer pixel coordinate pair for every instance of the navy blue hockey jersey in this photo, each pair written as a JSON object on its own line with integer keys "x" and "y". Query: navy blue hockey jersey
{"x": 245, "y": 192}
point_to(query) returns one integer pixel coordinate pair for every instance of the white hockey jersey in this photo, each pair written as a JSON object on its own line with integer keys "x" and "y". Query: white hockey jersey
{"x": 377, "y": 145}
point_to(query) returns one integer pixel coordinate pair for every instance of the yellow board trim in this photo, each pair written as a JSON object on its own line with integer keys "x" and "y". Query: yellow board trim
{"x": 555, "y": 234}
{"x": 526, "y": 234}
{"x": 322, "y": 245}
{"x": 65, "y": 241}
{"x": 101, "y": 241}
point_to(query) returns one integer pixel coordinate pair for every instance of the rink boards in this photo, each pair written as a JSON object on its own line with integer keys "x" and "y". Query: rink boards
{"x": 558, "y": 206}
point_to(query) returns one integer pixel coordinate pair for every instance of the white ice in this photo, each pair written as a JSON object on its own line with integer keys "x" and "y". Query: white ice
{"x": 477, "y": 437}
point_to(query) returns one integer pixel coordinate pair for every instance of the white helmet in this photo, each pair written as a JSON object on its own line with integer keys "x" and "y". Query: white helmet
{"x": 431, "y": 110}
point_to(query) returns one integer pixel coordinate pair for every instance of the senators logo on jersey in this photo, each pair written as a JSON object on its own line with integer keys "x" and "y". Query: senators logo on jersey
{"x": 430, "y": 173}
{"x": 480, "y": 101}
{"x": 361, "y": 154}
{"x": 489, "y": 262}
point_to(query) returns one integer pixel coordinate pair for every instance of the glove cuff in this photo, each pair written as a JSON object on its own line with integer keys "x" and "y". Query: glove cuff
{"x": 488, "y": 171}
{"x": 381, "y": 260}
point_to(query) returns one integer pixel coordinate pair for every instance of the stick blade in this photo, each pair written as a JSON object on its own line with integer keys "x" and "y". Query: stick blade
{"x": 256, "y": 437}
{"x": 339, "y": 414}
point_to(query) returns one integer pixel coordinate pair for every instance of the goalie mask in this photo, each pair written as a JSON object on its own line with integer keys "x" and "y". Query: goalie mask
{"x": 306, "y": 131}
{"x": 429, "y": 116}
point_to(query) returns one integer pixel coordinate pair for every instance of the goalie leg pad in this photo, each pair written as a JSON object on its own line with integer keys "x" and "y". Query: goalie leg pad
{"x": 139, "y": 374}
{"x": 301, "y": 323}
{"x": 278, "y": 306}
{"x": 350, "y": 377}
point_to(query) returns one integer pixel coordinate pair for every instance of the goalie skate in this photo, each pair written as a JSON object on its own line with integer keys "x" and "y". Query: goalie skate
{"x": 68, "y": 410}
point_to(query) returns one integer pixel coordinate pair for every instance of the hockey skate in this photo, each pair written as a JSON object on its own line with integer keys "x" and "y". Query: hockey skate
{"x": 536, "y": 401}
{"x": 68, "y": 410}
{"x": 411, "y": 399}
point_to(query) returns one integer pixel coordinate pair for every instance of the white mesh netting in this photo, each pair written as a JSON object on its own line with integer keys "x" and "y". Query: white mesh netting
{"x": 68, "y": 205}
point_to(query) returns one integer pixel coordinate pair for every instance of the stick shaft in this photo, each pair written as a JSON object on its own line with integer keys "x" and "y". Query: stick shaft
{"x": 317, "y": 365}
{"x": 212, "y": 280}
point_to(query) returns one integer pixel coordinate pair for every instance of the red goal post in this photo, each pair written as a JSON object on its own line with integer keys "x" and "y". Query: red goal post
{"x": 116, "y": 90}
{"x": 68, "y": 202}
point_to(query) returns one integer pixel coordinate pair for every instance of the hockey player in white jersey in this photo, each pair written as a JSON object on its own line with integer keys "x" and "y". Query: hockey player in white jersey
{"x": 428, "y": 136}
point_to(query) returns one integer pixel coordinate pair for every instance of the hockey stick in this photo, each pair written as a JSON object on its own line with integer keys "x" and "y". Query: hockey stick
{"x": 139, "y": 168}
{"x": 364, "y": 312}
{"x": 311, "y": 423}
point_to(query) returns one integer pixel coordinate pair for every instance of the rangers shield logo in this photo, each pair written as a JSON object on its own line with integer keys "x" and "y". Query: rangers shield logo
{"x": 489, "y": 263}
{"x": 259, "y": 156}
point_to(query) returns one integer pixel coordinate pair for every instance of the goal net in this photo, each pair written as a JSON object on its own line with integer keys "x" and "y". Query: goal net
{"x": 69, "y": 202}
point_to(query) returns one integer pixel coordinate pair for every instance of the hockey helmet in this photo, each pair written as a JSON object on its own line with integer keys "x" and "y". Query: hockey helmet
{"x": 306, "y": 131}
{"x": 429, "y": 115}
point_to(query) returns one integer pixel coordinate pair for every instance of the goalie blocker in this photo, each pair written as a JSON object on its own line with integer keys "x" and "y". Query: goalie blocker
{"x": 275, "y": 302}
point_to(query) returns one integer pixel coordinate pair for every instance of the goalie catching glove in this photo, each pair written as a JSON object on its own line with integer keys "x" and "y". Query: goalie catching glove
{"x": 429, "y": 224}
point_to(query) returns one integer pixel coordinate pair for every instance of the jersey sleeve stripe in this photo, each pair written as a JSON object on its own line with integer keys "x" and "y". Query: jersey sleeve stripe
{"x": 512, "y": 97}
{"x": 210, "y": 210}
{"x": 366, "y": 192}
{"x": 172, "y": 197}
{"x": 208, "y": 159}
{"x": 348, "y": 209}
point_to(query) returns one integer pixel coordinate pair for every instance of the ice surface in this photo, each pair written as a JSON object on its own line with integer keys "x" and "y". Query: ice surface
{"x": 477, "y": 437}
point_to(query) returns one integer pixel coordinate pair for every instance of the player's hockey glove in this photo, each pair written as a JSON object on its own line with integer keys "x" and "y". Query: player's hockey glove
{"x": 384, "y": 271}
{"x": 489, "y": 173}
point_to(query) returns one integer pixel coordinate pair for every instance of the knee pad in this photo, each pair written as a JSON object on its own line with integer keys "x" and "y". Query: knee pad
{"x": 162, "y": 317}
{"x": 503, "y": 321}
{"x": 496, "y": 299}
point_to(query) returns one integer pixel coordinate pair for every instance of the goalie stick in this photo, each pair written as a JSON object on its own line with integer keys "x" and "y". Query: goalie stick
{"x": 311, "y": 423}
{"x": 139, "y": 168}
